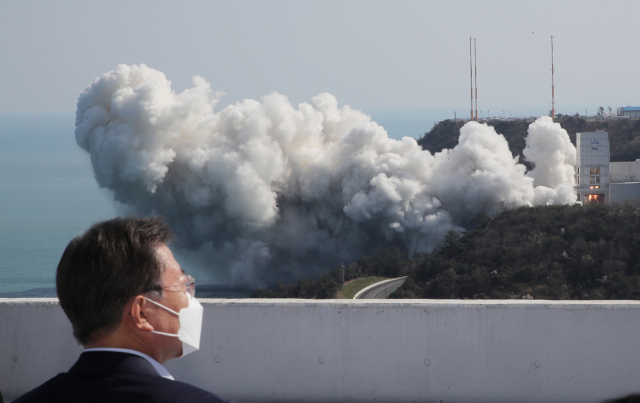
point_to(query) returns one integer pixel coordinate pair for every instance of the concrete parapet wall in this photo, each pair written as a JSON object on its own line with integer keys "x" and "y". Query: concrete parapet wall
{"x": 366, "y": 350}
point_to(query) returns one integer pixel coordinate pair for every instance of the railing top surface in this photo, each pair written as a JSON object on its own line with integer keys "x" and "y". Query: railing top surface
{"x": 390, "y": 303}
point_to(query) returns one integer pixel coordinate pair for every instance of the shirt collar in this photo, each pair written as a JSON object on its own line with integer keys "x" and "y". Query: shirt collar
{"x": 162, "y": 371}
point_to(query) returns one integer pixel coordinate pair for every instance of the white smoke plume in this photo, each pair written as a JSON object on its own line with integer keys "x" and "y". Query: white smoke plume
{"x": 271, "y": 192}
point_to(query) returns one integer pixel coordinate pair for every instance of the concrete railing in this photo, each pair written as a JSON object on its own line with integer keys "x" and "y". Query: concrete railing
{"x": 366, "y": 350}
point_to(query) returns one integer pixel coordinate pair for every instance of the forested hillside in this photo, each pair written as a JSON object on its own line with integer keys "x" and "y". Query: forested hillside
{"x": 544, "y": 252}
{"x": 547, "y": 252}
{"x": 624, "y": 135}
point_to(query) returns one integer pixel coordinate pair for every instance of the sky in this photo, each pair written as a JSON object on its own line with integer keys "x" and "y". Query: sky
{"x": 372, "y": 55}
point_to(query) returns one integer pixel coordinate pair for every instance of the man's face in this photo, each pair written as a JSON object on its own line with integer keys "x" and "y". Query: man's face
{"x": 174, "y": 296}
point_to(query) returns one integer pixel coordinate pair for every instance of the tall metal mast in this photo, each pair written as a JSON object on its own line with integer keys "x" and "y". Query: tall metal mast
{"x": 553, "y": 86}
{"x": 471, "y": 67}
{"x": 475, "y": 59}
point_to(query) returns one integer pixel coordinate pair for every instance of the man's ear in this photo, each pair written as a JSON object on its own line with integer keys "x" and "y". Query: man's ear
{"x": 139, "y": 314}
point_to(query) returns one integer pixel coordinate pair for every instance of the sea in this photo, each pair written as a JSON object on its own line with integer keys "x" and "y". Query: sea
{"x": 48, "y": 195}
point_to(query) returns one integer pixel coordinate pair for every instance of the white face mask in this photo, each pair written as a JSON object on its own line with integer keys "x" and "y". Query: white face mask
{"x": 190, "y": 325}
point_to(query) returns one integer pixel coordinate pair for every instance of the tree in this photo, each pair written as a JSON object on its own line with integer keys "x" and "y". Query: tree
{"x": 480, "y": 220}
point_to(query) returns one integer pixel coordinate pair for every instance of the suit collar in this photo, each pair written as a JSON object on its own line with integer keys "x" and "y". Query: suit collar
{"x": 112, "y": 362}
{"x": 162, "y": 371}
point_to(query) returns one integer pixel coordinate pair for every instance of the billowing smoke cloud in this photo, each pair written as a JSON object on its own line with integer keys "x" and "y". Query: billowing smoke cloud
{"x": 269, "y": 191}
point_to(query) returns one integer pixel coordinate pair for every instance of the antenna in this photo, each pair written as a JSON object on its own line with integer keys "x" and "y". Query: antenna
{"x": 471, "y": 67}
{"x": 553, "y": 86}
{"x": 476, "y": 68}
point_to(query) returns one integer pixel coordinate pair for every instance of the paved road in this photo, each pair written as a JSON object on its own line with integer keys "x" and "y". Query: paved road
{"x": 383, "y": 290}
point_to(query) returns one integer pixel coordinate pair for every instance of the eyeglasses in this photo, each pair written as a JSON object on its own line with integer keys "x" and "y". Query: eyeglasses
{"x": 189, "y": 287}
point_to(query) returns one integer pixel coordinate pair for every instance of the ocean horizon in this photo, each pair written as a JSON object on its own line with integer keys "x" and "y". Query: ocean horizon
{"x": 49, "y": 195}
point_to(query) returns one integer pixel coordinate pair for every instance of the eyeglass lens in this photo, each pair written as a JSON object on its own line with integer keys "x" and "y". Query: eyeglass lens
{"x": 191, "y": 286}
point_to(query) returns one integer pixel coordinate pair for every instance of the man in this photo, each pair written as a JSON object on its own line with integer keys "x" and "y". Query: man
{"x": 133, "y": 309}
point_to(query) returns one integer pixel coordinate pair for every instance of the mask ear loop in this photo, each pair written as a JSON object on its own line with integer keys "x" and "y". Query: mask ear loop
{"x": 170, "y": 310}
{"x": 165, "y": 334}
{"x": 160, "y": 305}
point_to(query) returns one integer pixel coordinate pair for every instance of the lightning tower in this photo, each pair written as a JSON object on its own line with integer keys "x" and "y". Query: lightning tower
{"x": 553, "y": 86}
{"x": 475, "y": 59}
{"x": 471, "y": 68}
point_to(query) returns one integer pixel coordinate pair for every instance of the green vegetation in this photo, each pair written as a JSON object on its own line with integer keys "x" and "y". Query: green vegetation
{"x": 384, "y": 264}
{"x": 351, "y": 288}
{"x": 553, "y": 252}
{"x": 544, "y": 252}
{"x": 443, "y": 135}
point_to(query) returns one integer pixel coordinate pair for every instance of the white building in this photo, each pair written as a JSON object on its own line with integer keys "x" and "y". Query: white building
{"x": 632, "y": 112}
{"x": 599, "y": 180}
{"x": 625, "y": 181}
{"x": 625, "y": 171}
{"x": 592, "y": 169}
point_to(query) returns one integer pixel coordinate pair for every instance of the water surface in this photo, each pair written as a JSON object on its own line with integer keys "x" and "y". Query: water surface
{"x": 48, "y": 195}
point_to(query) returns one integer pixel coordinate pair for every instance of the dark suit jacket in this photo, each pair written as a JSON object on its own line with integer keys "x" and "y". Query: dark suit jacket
{"x": 102, "y": 376}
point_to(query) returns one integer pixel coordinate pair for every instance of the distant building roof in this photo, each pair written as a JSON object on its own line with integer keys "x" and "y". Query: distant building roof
{"x": 631, "y": 108}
